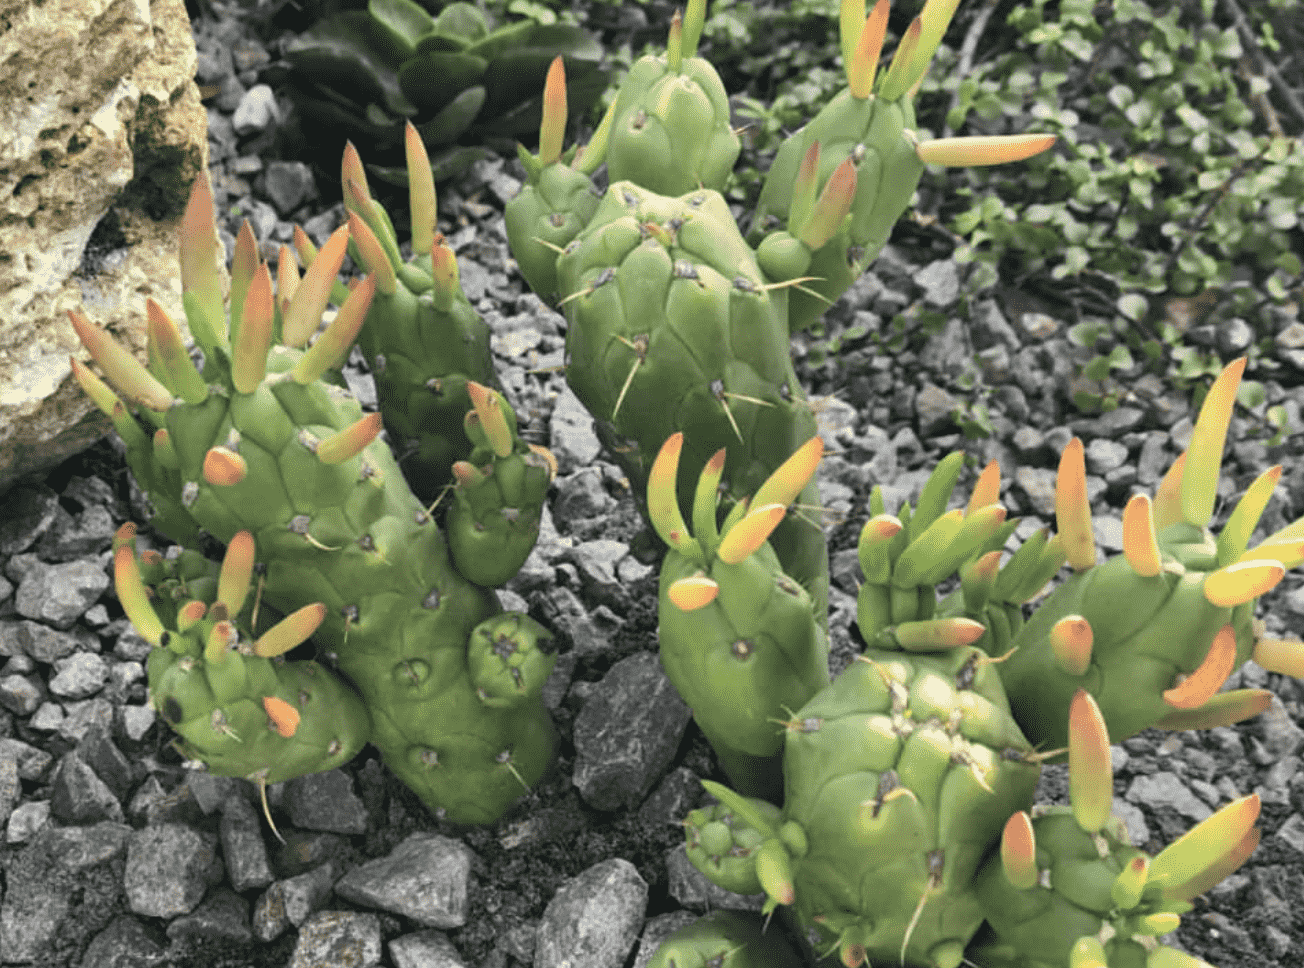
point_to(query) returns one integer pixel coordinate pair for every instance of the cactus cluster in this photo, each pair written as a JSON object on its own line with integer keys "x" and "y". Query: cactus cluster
{"x": 886, "y": 814}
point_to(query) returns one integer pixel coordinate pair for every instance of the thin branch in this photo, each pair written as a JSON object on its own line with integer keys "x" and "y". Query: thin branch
{"x": 1265, "y": 66}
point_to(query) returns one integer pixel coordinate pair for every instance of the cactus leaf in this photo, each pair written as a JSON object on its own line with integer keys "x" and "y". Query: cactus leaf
{"x": 1131, "y": 881}
{"x": 1072, "y": 509}
{"x": 1185, "y": 861}
{"x": 1223, "y": 866}
{"x": 354, "y": 177}
{"x": 874, "y": 548}
{"x": 349, "y": 442}
{"x": 936, "y": 634}
{"x": 254, "y": 337}
{"x": 223, "y": 467}
{"x": 897, "y": 80}
{"x": 1168, "y": 496}
{"x": 290, "y": 631}
{"x": 936, "y": 492}
{"x": 244, "y": 263}
{"x": 237, "y": 570}
{"x": 976, "y": 150}
{"x": 1289, "y": 552}
{"x": 675, "y": 42}
{"x": 1200, "y": 480}
{"x": 934, "y": 19}
{"x": 1199, "y": 687}
{"x": 692, "y": 593}
{"x": 282, "y": 717}
{"x": 190, "y": 614}
{"x": 124, "y": 372}
{"x": 832, "y": 207}
{"x": 1242, "y": 582}
{"x": 1235, "y": 535}
{"x": 287, "y": 280}
{"x": 694, "y": 21}
{"x": 1019, "y": 851}
{"x": 705, "y": 501}
{"x": 489, "y": 409}
{"x": 1140, "y": 545}
{"x": 220, "y": 641}
{"x": 372, "y": 254}
{"x": 200, "y": 282}
{"x": 99, "y": 391}
{"x": 1071, "y": 641}
{"x": 314, "y": 291}
{"x": 1281, "y": 656}
{"x": 1091, "y": 773}
{"x": 747, "y": 535}
{"x": 987, "y": 489}
{"x": 1088, "y": 952}
{"x": 790, "y": 477}
{"x": 130, "y": 589}
{"x": 851, "y": 26}
{"x": 774, "y": 871}
{"x": 862, "y": 65}
{"x": 421, "y": 191}
{"x": 805, "y": 189}
{"x": 552, "y": 130}
{"x": 662, "y": 503}
{"x": 1224, "y": 709}
{"x": 331, "y": 348}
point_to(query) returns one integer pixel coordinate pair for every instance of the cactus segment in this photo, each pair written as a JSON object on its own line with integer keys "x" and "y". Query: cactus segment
{"x": 726, "y": 939}
{"x": 1200, "y": 478}
{"x": 722, "y": 843}
{"x": 740, "y": 639}
{"x": 670, "y": 131}
{"x": 509, "y": 660}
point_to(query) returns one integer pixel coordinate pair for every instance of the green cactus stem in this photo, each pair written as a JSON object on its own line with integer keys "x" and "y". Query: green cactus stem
{"x": 727, "y": 939}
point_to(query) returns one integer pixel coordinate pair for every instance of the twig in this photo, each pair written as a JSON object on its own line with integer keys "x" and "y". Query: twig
{"x": 1265, "y": 66}
{"x": 968, "y": 50}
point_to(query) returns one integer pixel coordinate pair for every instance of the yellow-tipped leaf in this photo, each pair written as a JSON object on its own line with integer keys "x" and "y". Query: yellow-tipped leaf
{"x": 975, "y": 150}
{"x": 1204, "y": 463}
{"x": 290, "y": 631}
{"x": 1091, "y": 771}
{"x": 1072, "y": 509}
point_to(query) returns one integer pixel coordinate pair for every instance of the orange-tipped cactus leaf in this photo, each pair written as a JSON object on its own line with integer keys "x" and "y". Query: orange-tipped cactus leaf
{"x": 1201, "y": 685}
{"x": 937, "y": 634}
{"x": 190, "y": 614}
{"x": 788, "y": 479}
{"x": 281, "y": 716}
{"x": 331, "y": 348}
{"x": 663, "y": 503}
{"x": 1200, "y": 480}
{"x": 851, "y": 23}
{"x": 1224, "y": 709}
{"x": 1091, "y": 771}
{"x": 1127, "y": 888}
{"x": 976, "y": 150}
{"x": 349, "y": 442}
{"x": 123, "y": 371}
{"x": 748, "y": 534}
{"x": 1290, "y": 552}
{"x": 372, "y": 254}
{"x": 862, "y": 65}
{"x": 1282, "y": 656}
{"x": 1072, "y": 509}
{"x": 133, "y": 596}
{"x": 1140, "y": 545}
{"x": 287, "y": 279}
{"x": 1235, "y": 535}
{"x": 832, "y": 208}
{"x": 244, "y": 263}
{"x": 237, "y": 570}
{"x": 705, "y": 501}
{"x": 805, "y": 189}
{"x": 201, "y": 282}
{"x": 223, "y": 467}
{"x": 897, "y": 80}
{"x": 552, "y": 130}
{"x": 467, "y": 474}
{"x": 421, "y": 191}
{"x": 987, "y": 489}
{"x": 1168, "y": 496}
{"x": 314, "y": 292}
{"x": 1242, "y": 582}
{"x": 774, "y": 871}
{"x": 255, "y": 336}
{"x": 290, "y": 631}
{"x": 933, "y": 19}
{"x": 1224, "y": 866}
{"x": 489, "y": 407}
{"x": 100, "y": 392}
{"x": 1019, "y": 851}
{"x": 220, "y": 641}
{"x": 692, "y": 593}
{"x": 172, "y": 352}
{"x": 1185, "y": 861}
{"x": 354, "y": 179}
{"x": 1071, "y": 640}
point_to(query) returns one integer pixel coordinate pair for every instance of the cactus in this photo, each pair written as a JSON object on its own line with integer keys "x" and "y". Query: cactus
{"x": 1068, "y": 888}
{"x": 233, "y": 702}
{"x": 1190, "y": 594}
{"x": 259, "y": 442}
{"x": 740, "y": 640}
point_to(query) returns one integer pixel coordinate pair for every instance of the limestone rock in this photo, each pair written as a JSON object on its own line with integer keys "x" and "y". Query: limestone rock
{"x": 101, "y": 133}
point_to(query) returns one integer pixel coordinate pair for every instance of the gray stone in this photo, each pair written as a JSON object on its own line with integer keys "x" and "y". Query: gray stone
{"x": 292, "y": 901}
{"x": 169, "y": 869}
{"x": 10, "y": 790}
{"x": 424, "y": 878}
{"x": 26, "y": 821}
{"x": 257, "y": 111}
{"x": 60, "y": 594}
{"x": 1104, "y": 455}
{"x": 21, "y": 695}
{"x": 78, "y": 796}
{"x": 325, "y": 801}
{"x": 940, "y": 282}
{"x": 289, "y": 184}
{"x": 123, "y": 944}
{"x": 29, "y": 512}
{"x": 243, "y": 847}
{"x": 572, "y": 438}
{"x": 79, "y": 676}
{"x": 593, "y": 919}
{"x": 627, "y": 733}
{"x": 1165, "y": 789}
{"x": 341, "y": 939}
{"x": 222, "y": 917}
{"x": 424, "y": 949}
{"x": 933, "y": 408}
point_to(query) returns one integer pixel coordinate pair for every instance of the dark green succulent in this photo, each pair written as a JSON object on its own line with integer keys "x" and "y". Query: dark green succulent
{"x": 361, "y": 74}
